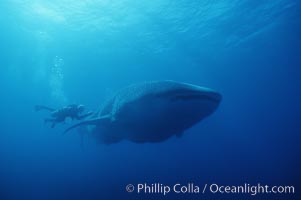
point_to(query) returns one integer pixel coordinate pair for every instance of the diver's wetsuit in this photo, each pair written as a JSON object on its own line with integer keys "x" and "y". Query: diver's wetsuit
{"x": 59, "y": 116}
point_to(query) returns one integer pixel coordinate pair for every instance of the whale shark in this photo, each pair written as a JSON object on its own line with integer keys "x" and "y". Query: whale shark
{"x": 151, "y": 112}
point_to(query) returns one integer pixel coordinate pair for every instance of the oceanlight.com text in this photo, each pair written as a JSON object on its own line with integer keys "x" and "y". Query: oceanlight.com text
{"x": 213, "y": 188}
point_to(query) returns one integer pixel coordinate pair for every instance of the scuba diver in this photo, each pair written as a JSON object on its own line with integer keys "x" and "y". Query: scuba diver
{"x": 72, "y": 111}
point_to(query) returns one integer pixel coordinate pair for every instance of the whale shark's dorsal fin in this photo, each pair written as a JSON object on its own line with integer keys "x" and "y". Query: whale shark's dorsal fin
{"x": 89, "y": 122}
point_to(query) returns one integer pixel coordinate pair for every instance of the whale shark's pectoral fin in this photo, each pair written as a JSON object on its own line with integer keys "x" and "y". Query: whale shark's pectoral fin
{"x": 95, "y": 121}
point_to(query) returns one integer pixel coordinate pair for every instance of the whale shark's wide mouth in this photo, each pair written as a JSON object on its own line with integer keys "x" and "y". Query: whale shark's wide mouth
{"x": 214, "y": 97}
{"x": 195, "y": 93}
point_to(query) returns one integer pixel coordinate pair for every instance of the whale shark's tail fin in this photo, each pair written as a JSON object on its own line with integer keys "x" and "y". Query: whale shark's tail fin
{"x": 40, "y": 107}
{"x": 95, "y": 121}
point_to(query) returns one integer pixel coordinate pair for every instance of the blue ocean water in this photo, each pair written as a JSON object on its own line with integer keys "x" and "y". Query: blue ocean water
{"x": 82, "y": 51}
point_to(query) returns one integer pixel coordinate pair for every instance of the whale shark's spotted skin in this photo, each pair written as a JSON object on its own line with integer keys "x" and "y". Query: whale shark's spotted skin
{"x": 152, "y": 112}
